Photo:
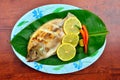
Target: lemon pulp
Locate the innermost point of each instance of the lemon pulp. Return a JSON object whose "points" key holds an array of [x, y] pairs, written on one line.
{"points": [[66, 52], [71, 25], [71, 38]]}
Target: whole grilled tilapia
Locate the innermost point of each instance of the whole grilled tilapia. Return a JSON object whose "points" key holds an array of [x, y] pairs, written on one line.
{"points": [[44, 41]]}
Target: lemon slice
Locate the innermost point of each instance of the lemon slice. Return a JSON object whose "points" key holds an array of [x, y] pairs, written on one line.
{"points": [[71, 38], [71, 25], [66, 52]]}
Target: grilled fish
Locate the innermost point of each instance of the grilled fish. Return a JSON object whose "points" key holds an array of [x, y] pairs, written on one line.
{"points": [[45, 40]]}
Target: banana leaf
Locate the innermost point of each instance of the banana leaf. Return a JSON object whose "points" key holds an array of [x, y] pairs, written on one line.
{"points": [[95, 26]]}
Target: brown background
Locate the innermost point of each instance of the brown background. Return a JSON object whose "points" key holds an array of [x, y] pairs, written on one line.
{"points": [[107, 67]]}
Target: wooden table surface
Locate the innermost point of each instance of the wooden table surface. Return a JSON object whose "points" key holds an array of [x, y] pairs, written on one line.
{"points": [[107, 67]]}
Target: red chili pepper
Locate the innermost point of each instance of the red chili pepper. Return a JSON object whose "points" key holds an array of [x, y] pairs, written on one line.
{"points": [[84, 34]]}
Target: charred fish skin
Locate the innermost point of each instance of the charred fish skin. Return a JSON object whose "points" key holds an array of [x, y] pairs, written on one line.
{"points": [[45, 40]]}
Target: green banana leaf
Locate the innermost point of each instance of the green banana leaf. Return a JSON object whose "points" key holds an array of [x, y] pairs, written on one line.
{"points": [[96, 29]]}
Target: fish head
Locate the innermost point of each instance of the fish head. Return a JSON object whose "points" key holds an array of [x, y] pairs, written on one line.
{"points": [[36, 53]]}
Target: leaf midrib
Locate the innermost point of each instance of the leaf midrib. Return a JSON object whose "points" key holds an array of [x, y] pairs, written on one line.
{"points": [[99, 34]]}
